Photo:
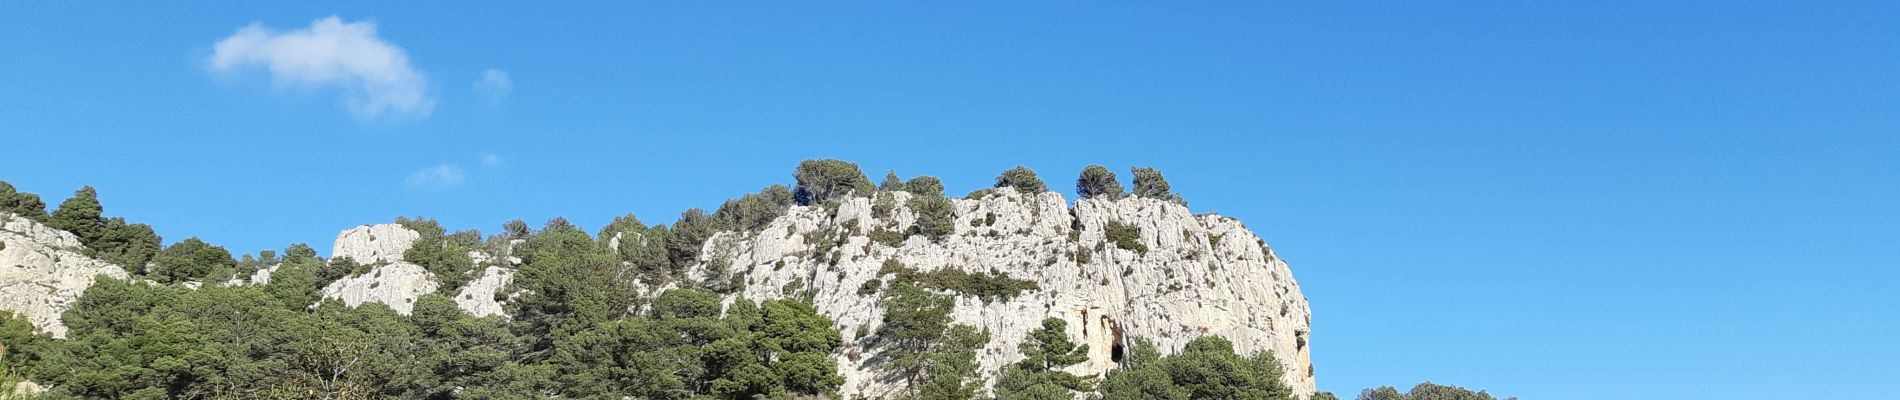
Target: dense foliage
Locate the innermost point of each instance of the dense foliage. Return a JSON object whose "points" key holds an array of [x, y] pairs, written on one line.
{"points": [[1422, 391], [193, 259], [133, 340], [24, 204], [991, 286], [1206, 368]]}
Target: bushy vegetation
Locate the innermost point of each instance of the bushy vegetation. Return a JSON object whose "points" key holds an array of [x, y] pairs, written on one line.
{"points": [[1124, 236], [111, 239], [924, 186], [193, 259], [1206, 368], [136, 341], [442, 254], [992, 286], [24, 204], [753, 212], [1422, 391]]}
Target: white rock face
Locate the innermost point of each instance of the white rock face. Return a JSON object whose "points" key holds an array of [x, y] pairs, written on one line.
{"points": [[1201, 275], [370, 244], [478, 296], [397, 283], [42, 272]]}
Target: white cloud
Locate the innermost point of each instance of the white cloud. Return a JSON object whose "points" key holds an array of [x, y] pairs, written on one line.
{"points": [[494, 86], [375, 76], [492, 160], [436, 177]]}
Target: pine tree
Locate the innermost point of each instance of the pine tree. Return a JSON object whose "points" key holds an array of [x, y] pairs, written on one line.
{"points": [[25, 204], [1097, 181], [81, 215], [1038, 376]]}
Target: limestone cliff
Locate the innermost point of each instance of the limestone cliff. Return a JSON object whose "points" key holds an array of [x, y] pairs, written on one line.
{"points": [[399, 283], [1200, 275], [43, 271]]}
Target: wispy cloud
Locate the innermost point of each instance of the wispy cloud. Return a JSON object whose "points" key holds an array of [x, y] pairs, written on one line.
{"points": [[492, 160], [494, 86], [437, 177], [375, 75]]}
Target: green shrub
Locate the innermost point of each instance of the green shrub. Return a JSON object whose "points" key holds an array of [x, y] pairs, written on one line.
{"points": [[870, 287], [887, 237], [753, 212], [1126, 237], [988, 287], [891, 266], [882, 205]]}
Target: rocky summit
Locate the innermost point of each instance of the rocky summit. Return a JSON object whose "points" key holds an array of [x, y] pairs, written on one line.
{"points": [[1198, 275], [1115, 268]]}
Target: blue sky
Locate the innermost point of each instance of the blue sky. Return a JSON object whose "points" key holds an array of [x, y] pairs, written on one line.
{"points": [[1554, 200]]}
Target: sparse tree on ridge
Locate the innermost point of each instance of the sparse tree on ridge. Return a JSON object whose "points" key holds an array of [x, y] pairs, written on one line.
{"points": [[1023, 179], [81, 214], [25, 204], [1149, 183], [824, 180], [891, 182], [1097, 181]]}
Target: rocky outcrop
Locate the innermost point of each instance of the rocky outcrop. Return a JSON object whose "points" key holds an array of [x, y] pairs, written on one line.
{"points": [[43, 271], [399, 283], [479, 298], [371, 244], [1199, 275], [391, 281]]}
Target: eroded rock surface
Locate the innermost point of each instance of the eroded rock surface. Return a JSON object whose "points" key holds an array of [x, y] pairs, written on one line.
{"points": [[43, 272], [399, 283], [1200, 275]]}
